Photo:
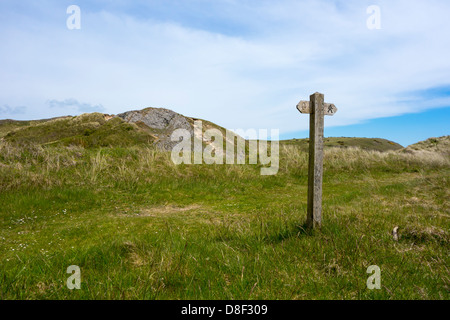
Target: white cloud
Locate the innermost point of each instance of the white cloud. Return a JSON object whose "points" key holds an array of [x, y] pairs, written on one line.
{"points": [[251, 80]]}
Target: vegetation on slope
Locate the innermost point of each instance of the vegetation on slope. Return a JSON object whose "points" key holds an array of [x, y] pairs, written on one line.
{"points": [[7, 125], [431, 145], [376, 144], [87, 130], [92, 130]]}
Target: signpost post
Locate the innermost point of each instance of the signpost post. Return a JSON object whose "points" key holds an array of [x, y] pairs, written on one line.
{"points": [[317, 108]]}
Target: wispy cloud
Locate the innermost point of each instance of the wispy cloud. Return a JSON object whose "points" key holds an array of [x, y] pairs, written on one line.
{"points": [[7, 110], [73, 103]]}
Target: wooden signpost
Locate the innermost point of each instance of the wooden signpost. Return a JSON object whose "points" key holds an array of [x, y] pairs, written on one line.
{"points": [[317, 108]]}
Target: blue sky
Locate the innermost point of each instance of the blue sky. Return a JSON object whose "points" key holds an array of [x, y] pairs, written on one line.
{"points": [[407, 129], [242, 64]]}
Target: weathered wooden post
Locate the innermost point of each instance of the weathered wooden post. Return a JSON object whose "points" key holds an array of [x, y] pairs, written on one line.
{"points": [[316, 109]]}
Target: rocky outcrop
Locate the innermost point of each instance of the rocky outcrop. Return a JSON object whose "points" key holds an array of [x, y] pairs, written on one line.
{"points": [[159, 122]]}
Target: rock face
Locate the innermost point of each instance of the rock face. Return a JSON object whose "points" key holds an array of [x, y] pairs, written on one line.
{"points": [[156, 118], [161, 122]]}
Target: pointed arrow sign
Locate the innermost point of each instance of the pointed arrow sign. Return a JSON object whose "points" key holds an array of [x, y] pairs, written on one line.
{"points": [[329, 109]]}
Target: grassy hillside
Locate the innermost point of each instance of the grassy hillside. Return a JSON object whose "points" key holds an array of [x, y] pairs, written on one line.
{"points": [[432, 145], [376, 144], [140, 227], [7, 125], [87, 130]]}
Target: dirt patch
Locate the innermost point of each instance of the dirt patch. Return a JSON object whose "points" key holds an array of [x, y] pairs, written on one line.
{"points": [[162, 210]]}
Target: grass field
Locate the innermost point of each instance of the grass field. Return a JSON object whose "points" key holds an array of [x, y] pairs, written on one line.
{"points": [[140, 227]]}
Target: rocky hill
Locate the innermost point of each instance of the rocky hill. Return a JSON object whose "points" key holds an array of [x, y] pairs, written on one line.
{"points": [[152, 126], [159, 123]]}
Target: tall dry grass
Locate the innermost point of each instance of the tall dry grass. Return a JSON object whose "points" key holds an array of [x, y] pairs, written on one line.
{"points": [[37, 166], [358, 159]]}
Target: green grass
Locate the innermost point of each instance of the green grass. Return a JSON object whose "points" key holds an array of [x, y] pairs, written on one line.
{"points": [[140, 227]]}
